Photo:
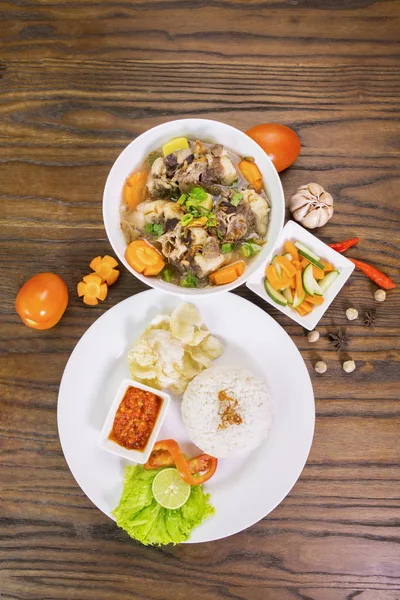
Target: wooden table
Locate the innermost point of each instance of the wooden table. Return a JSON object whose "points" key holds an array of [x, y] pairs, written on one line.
{"points": [[78, 82]]}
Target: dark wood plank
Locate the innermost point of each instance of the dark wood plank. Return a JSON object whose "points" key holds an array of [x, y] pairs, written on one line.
{"points": [[78, 81]]}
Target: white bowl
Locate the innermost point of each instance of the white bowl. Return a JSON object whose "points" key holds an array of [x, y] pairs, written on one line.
{"points": [[136, 456], [210, 131], [294, 232]]}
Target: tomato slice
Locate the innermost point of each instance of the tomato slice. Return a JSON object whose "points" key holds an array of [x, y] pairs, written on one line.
{"points": [[196, 471], [205, 464]]}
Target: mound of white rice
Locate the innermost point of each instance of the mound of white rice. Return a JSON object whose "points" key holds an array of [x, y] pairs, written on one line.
{"points": [[203, 410]]}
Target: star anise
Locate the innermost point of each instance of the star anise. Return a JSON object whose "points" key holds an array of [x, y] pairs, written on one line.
{"points": [[339, 340], [369, 318]]}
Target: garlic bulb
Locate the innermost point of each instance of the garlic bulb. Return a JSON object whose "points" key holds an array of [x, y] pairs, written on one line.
{"points": [[311, 205]]}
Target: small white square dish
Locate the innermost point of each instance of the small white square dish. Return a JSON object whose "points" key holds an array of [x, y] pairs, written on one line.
{"points": [[295, 233], [111, 445]]}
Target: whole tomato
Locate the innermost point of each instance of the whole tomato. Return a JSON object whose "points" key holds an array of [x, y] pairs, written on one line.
{"points": [[281, 143], [42, 300]]}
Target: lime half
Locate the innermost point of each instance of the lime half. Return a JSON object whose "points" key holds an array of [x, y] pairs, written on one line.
{"points": [[169, 489]]}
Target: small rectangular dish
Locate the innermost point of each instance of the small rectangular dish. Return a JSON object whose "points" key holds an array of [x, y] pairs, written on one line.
{"points": [[295, 233], [159, 408]]}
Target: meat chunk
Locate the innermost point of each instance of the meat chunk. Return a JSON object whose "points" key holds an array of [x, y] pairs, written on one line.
{"points": [[172, 210], [228, 171], [172, 245], [204, 266], [260, 208], [237, 227], [170, 224], [147, 212], [129, 232], [244, 209], [188, 177], [211, 248], [217, 149], [184, 155], [171, 164], [199, 236], [158, 183]]}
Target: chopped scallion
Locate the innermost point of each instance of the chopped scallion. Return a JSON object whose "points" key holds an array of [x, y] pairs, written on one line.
{"points": [[190, 280], [186, 219], [236, 198]]}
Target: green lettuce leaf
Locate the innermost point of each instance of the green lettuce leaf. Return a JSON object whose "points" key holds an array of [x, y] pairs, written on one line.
{"points": [[146, 521]]}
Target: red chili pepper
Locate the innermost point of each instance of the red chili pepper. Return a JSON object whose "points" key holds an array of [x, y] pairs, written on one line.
{"points": [[342, 246], [168, 453], [377, 276]]}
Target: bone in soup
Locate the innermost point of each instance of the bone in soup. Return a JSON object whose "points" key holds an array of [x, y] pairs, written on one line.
{"points": [[195, 214]]}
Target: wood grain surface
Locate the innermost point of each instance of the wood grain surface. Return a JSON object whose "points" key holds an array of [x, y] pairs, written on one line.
{"points": [[78, 81]]}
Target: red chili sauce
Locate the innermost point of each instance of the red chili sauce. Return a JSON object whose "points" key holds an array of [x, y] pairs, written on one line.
{"points": [[135, 419]]}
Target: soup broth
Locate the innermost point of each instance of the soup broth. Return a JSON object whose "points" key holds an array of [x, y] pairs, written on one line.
{"points": [[194, 214]]}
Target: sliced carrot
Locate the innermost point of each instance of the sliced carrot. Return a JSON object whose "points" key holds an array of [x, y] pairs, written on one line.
{"points": [[316, 300], [81, 288], [92, 289], [273, 278], [104, 267], [306, 307], [286, 265], [327, 266], [296, 263], [144, 258], [93, 278], [228, 274], [299, 284], [291, 248], [300, 310], [134, 191], [293, 282], [304, 262], [284, 280], [251, 173], [318, 273]]}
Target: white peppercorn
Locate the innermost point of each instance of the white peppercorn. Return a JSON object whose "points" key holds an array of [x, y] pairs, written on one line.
{"points": [[380, 295], [349, 366], [313, 336], [351, 314], [321, 367]]}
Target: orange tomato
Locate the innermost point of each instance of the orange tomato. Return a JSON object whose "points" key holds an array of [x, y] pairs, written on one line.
{"points": [[281, 143], [42, 300]]}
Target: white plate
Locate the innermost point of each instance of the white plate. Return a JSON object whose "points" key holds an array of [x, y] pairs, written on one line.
{"points": [[243, 490], [294, 232]]}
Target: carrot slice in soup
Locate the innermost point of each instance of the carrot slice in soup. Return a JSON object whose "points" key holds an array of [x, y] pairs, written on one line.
{"points": [[252, 174], [134, 191], [144, 258], [228, 274]]}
